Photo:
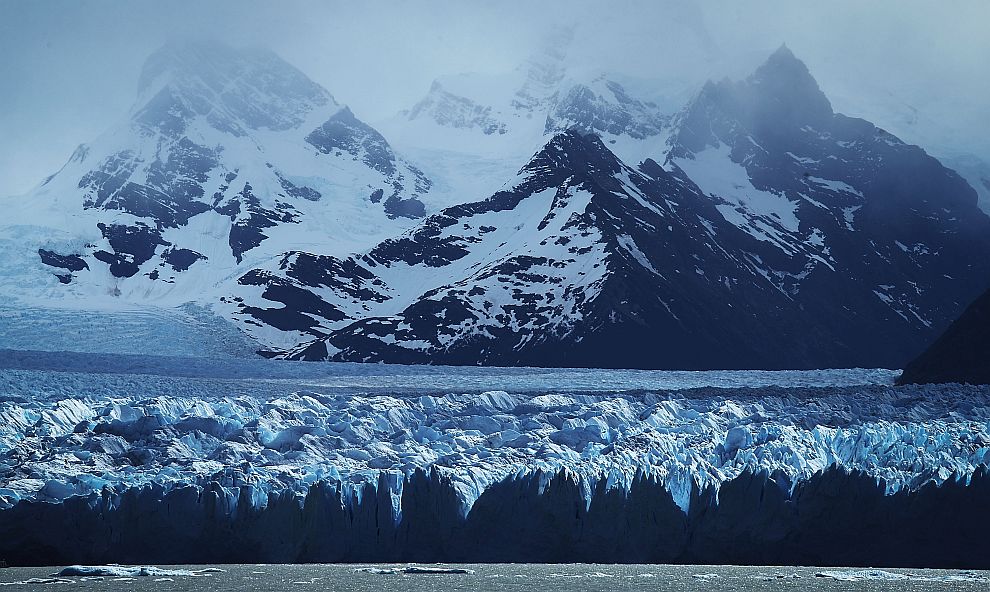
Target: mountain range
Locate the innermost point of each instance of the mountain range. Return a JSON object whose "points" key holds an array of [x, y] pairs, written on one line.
{"points": [[556, 221]]}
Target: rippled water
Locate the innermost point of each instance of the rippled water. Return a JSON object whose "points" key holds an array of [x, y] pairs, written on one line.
{"points": [[545, 578]]}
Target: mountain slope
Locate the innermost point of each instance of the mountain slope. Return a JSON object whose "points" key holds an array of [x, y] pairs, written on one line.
{"points": [[581, 262], [839, 206], [961, 354], [777, 234], [473, 131], [229, 157]]}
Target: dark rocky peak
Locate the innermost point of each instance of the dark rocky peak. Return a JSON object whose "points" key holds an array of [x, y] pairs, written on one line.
{"points": [[774, 104], [783, 89], [572, 158], [574, 151], [236, 89], [345, 132]]}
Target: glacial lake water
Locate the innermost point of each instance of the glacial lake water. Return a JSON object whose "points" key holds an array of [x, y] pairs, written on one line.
{"points": [[514, 577]]}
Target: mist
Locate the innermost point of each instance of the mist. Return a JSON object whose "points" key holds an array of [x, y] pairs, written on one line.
{"points": [[69, 69]]}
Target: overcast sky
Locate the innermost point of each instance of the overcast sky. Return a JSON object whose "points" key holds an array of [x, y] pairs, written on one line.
{"points": [[69, 68]]}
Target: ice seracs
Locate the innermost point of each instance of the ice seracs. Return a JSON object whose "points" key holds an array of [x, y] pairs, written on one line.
{"points": [[55, 448], [302, 469]]}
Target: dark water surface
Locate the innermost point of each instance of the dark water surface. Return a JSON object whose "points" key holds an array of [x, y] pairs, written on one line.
{"points": [[521, 577]]}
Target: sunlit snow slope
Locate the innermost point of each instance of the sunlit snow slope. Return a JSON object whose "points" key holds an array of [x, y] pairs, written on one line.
{"points": [[228, 158]]}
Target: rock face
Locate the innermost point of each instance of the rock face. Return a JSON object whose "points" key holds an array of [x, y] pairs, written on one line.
{"points": [[227, 155], [605, 107], [961, 354]]}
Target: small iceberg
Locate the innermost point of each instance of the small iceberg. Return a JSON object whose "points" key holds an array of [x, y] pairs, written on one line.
{"points": [[860, 575], [415, 570], [132, 571]]}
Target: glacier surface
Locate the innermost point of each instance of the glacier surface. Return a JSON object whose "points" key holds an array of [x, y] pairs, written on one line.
{"points": [[125, 421], [156, 459]]}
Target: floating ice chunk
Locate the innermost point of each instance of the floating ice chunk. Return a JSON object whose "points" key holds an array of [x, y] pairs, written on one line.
{"points": [[129, 571], [37, 581], [415, 570], [852, 575]]}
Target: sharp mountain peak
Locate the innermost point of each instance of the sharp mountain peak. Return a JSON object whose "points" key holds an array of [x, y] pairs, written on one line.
{"points": [[236, 88]]}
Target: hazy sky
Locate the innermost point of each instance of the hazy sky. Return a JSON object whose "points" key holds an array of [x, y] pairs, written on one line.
{"points": [[69, 68]]}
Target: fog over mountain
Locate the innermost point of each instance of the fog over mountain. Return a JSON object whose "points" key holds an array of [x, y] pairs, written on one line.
{"points": [[70, 69]]}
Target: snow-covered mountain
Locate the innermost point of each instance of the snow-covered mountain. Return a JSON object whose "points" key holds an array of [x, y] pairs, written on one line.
{"points": [[473, 131], [863, 229], [581, 261], [777, 234], [228, 158], [755, 228]]}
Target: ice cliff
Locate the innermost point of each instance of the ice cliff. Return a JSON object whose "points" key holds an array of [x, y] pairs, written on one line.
{"points": [[110, 466]]}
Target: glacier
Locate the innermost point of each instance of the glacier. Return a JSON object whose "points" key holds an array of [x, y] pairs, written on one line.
{"points": [[148, 459]]}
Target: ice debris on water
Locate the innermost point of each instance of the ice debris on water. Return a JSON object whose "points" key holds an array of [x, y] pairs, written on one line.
{"points": [[37, 581], [132, 571], [862, 575], [415, 570]]}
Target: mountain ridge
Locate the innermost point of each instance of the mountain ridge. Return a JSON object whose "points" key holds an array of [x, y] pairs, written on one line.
{"points": [[757, 228], [820, 233], [227, 155]]}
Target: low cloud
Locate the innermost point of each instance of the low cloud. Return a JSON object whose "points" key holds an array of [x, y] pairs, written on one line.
{"points": [[70, 68]]}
